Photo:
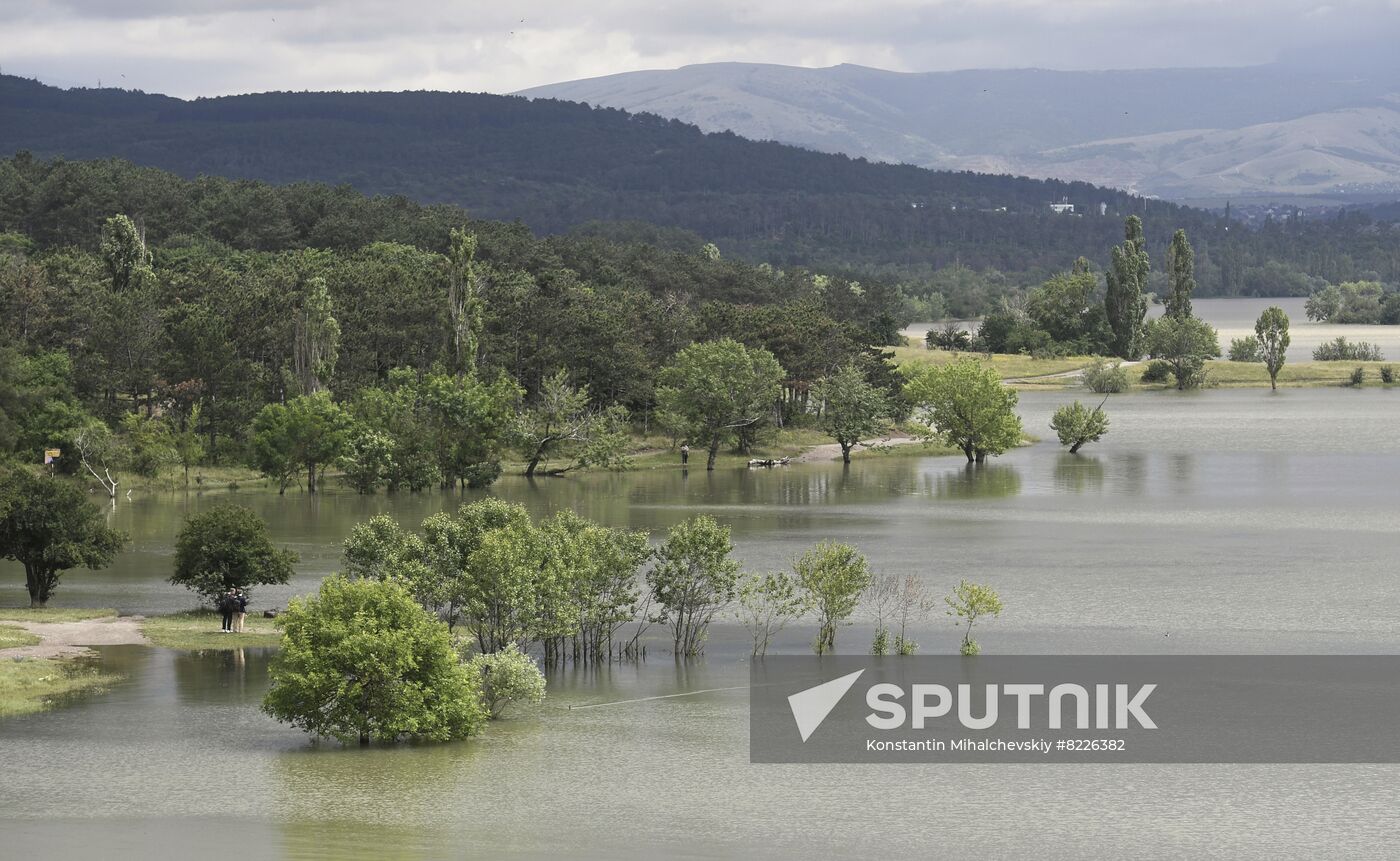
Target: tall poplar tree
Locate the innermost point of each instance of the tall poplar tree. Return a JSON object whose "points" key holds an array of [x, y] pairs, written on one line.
{"points": [[1181, 270], [317, 338], [463, 301], [1125, 302]]}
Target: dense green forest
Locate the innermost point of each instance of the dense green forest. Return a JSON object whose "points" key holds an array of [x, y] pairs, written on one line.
{"points": [[558, 165], [207, 320]]}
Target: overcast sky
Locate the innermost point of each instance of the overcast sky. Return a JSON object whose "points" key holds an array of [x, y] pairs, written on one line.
{"points": [[215, 47]]}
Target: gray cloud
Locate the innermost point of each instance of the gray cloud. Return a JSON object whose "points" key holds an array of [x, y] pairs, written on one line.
{"points": [[212, 47]]}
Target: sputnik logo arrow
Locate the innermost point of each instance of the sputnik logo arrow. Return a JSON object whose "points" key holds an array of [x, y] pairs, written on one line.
{"points": [[810, 707]]}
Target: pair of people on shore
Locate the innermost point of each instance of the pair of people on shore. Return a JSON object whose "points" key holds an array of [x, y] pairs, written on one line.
{"points": [[233, 607]]}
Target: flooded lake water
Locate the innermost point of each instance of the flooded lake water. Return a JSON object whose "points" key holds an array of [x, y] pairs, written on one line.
{"points": [[1234, 318], [1205, 522]]}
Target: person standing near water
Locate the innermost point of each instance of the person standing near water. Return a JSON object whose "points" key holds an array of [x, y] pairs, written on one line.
{"points": [[685, 453], [226, 611], [240, 610]]}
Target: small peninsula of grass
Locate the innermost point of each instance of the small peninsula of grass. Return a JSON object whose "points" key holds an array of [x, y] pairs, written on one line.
{"points": [[12, 637], [31, 685], [199, 629]]}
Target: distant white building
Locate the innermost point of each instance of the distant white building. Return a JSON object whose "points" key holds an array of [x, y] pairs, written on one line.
{"points": [[1061, 207]]}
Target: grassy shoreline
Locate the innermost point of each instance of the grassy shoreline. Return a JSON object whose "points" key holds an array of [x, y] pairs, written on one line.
{"points": [[196, 630]]}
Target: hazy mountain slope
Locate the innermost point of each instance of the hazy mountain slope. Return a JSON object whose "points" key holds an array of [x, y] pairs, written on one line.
{"points": [[1014, 120], [1353, 149]]}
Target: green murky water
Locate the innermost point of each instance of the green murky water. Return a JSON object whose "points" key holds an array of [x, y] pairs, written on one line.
{"points": [[1220, 521]]}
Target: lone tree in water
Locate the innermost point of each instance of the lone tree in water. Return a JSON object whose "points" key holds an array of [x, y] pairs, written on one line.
{"points": [[228, 548], [1076, 424], [48, 526], [833, 576], [1124, 302], [1181, 268], [693, 579], [362, 662], [851, 408], [966, 405], [714, 389], [1272, 331], [968, 603]]}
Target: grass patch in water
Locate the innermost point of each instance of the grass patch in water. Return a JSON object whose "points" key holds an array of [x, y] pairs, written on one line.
{"points": [[31, 685], [199, 629]]}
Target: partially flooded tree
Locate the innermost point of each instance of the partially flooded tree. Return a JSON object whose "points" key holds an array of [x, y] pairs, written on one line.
{"points": [[596, 568], [507, 678], [48, 526], [968, 603], [1076, 424], [99, 452], [880, 596], [967, 406], [833, 576], [767, 603], [361, 661], [912, 603], [693, 579]]}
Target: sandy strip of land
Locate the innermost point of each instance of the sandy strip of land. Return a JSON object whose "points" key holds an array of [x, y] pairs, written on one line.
{"points": [[61, 639], [832, 451]]}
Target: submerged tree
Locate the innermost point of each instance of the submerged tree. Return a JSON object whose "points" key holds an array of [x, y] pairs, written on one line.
{"points": [[693, 579], [1076, 424], [767, 603], [968, 603], [1271, 329], [833, 576], [48, 526], [1125, 303], [507, 678], [361, 661], [967, 406]]}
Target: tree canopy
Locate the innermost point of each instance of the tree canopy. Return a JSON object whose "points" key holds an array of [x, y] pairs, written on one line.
{"points": [[49, 526], [966, 405]]}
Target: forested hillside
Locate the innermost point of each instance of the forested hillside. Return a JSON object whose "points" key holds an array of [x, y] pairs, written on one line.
{"points": [[135, 301], [557, 165]]}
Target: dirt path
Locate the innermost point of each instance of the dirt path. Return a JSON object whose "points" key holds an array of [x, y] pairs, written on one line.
{"points": [[61, 639], [832, 451]]}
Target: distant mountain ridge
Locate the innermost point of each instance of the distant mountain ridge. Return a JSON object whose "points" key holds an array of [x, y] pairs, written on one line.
{"points": [[560, 166], [1032, 121]]}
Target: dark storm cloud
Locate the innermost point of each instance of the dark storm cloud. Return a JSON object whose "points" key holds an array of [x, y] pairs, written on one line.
{"points": [[202, 47]]}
